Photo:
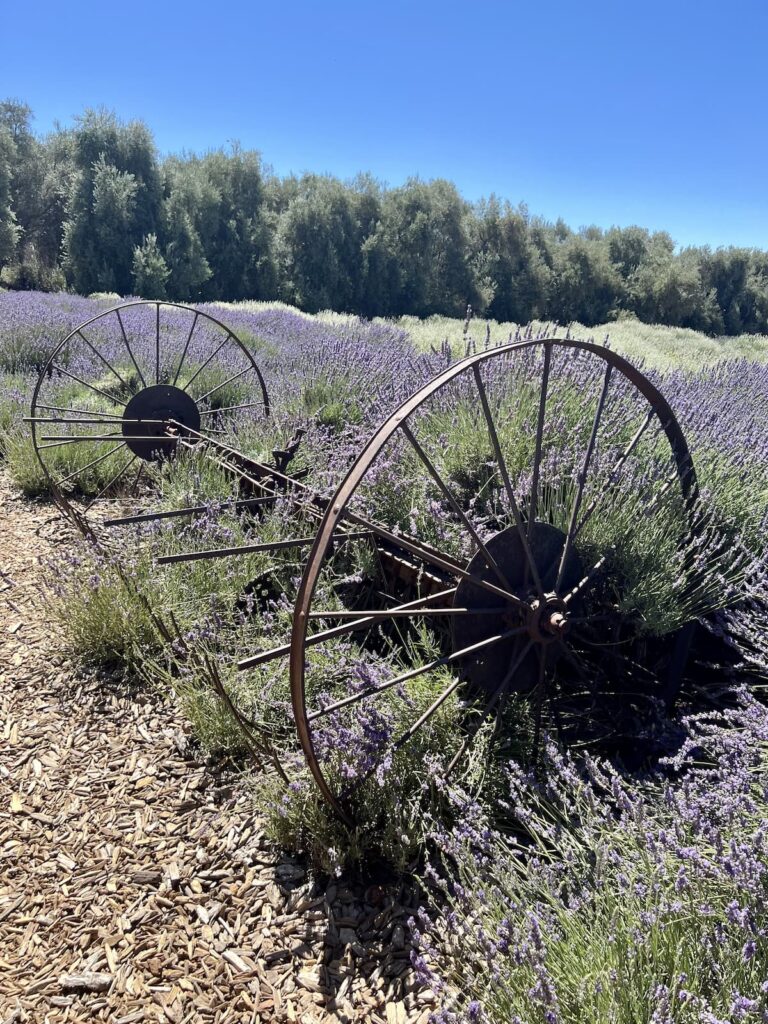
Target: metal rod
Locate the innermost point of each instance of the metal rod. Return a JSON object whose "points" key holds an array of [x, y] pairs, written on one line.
{"points": [[277, 545], [448, 659], [108, 437], [191, 510], [95, 462], [101, 357], [70, 440], [505, 477], [329, 634], [582, 477], [186, 346], [106, 416], [223, 384], [130, 352], [100, 422], [586, 580], [230, 408], [388, 614], [91, 387], [432, 470]]}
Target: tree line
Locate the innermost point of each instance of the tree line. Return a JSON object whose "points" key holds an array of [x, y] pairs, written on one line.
{"points": [[93, 207]]}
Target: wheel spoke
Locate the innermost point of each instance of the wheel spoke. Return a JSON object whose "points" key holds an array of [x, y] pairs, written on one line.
{"points": [[582, 477], [448, 659], [224, 384], [329, 634], [491, 704], [489, 559], [505, 477], [105, 361], [91, 387], [157, 343], [95, 462], [404, 613], [130, 351], [186, 346], [107, 417], [191, 510], [210, 358], [533, 508], [111, 483]]}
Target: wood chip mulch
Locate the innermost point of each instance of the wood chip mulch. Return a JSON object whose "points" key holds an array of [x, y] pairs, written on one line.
{"points": [[136, 883]]}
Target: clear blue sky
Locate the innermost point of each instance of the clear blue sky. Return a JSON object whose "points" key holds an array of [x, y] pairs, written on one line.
{"points": [[630, 111]]}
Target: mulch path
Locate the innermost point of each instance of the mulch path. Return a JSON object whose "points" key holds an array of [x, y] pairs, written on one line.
{"points": [[136, 883]]}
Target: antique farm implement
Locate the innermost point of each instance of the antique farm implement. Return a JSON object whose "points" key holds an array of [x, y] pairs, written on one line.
{"points": [[537, 475]]}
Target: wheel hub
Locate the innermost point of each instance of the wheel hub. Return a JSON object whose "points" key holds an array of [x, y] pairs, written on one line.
{"points": [[542, 620], [157, 404]]}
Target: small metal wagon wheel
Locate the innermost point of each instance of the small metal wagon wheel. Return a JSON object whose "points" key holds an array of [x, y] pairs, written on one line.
{"points": [[573, 461], [129, 388]]}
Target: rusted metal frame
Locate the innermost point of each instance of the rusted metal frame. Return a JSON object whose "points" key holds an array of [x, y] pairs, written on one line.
{"points": [[357, 471], [420, 670], [533, 507], [582, 477], [95, 462], [245, 549], [207, 362], [191, 510], [490, 705], [398, 540], [506, 479], [130, 351], [328, 634], [91, 387], [105, 361], [224, 384], [458, 510], [186, 347]]}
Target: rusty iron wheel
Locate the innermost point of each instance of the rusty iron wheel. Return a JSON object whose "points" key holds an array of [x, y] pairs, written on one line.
{"points": [[127, 389], [513, 607]]}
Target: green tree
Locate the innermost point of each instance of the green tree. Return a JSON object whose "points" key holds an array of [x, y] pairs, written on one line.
{"points": [[149, 269], [8, 227]]}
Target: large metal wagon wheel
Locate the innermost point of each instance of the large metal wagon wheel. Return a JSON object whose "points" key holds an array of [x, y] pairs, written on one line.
{"points": [[130, 388], [530, 577]]}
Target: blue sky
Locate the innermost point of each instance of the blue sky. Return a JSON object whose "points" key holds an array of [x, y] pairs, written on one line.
{"points": [[615, 112]]}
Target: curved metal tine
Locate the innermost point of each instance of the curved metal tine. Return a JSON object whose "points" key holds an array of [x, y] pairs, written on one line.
{"points": [[91, 387], [75, 440], [95, 462], [113, 481], [186, 347], [224, 384], [489, 559], [130, 350], [231, 408], [533, 508], [404, 677], [108, 416], [582, 478], [490, 705], [157, 344], [618, 466], [505, 477], [210, 358], [329, 634], [244, 549], [587, 579]]}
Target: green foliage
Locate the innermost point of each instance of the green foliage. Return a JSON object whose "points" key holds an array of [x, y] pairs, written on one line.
{"points": [[150, 271]]}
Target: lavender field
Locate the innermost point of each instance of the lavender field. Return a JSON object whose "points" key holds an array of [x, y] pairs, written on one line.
{"points": [[618, 879]]}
